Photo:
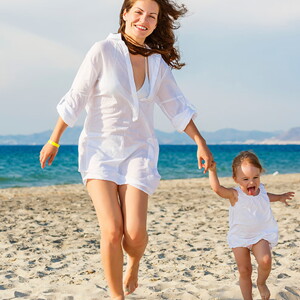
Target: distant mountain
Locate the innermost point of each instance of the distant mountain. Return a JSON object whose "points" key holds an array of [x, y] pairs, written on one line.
{"points": [[234, 136], [70, 137], [223, 136], [291, 135], [173, 138]]}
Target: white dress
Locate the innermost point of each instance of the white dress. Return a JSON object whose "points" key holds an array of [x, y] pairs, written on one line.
{"points": [[251, 220], [118, 142]]}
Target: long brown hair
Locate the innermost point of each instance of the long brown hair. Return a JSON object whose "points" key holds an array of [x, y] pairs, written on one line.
{"points": [[162, 39], [249, 157]]}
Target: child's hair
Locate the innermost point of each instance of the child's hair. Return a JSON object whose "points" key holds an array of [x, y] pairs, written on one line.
{"points": [[249, 157]]}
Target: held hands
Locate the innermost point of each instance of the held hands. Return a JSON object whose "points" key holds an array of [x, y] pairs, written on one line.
{"points": [[286, 196], [48, 152], [213, 166], [204, 154]]}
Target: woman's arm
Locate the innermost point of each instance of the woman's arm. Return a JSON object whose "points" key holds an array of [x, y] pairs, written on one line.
{"points": [[75, 100], [49, 151], [281, 197], [203, 153]]}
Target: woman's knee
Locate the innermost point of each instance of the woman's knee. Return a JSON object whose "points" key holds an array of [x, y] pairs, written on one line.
{"points": [[135, 237], [112, 234], [245, 271], [265, 262]]}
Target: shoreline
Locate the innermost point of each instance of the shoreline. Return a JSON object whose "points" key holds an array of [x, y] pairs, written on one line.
{"points": [[162, 180], [229, 143], [50, 244]]}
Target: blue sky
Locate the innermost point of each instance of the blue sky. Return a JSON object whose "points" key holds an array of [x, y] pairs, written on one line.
{"points": [[243, 60]]}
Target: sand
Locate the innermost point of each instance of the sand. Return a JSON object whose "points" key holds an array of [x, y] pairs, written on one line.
{"points": [[50, 244]]}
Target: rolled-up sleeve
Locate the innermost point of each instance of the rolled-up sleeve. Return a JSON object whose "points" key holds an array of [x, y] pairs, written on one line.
{"points": [[71, 105], [173, 103]]}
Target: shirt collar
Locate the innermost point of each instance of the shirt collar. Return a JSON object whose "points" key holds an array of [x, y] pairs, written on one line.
{"points": [[114, 36]]}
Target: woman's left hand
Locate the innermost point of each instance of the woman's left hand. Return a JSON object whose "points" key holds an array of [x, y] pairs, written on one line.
{"points": [[204, 156], [203, 153]]}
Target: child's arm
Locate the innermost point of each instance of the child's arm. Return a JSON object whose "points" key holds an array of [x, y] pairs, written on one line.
{"points": [[281, 197], [222, 191]]}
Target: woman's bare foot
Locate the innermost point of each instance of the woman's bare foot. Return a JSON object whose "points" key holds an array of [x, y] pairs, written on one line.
{"points": [[264, 291], [118, 298], [131, 278]]}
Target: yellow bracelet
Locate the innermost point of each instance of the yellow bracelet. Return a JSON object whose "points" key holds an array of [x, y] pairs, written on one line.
{"points": [[53, 144]]}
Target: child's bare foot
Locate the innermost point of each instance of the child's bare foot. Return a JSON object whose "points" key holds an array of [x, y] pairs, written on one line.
{"points": [[131, 278], [264, 291]]}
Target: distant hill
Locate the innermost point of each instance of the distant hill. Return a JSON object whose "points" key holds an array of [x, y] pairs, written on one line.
{"points": [[234, 136], [291, 135], [223, 136], [70, 137]]}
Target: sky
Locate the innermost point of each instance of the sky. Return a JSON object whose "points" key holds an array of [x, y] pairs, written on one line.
{"points": [[242, 60]]}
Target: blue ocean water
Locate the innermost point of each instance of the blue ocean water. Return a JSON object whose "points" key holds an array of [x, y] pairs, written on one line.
{"points": [[19, 165]]}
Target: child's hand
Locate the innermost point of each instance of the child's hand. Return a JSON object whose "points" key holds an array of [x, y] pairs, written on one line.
{"points": [[213, 166], [286, 196]]}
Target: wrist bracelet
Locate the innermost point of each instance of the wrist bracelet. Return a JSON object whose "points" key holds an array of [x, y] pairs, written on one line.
{"points": [[53, 144]]}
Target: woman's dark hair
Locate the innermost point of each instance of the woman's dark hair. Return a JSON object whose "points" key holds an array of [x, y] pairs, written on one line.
{"points": [[162, 39]]}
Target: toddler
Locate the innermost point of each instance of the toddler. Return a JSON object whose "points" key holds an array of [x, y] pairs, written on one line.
{"points": [[252, 226]]}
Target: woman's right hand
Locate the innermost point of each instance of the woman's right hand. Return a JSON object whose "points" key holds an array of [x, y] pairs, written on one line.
{"points": [[48, 152]]}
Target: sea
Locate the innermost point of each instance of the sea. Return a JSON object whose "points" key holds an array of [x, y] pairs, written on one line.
{"points": [[19, 165]]}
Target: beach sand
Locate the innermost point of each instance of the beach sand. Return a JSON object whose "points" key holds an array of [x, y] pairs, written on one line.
{"points": [[50, 244]]}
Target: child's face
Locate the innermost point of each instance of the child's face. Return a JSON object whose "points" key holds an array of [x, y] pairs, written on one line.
{"points": [[248, 178]]}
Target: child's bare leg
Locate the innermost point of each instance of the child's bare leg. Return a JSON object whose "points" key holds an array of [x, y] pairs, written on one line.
{"points": [[262, 253], [243, 260], [134, 205]]}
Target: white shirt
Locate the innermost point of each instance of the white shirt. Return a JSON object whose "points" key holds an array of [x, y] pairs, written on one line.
{"points": [[251, 220], [118, 142]]}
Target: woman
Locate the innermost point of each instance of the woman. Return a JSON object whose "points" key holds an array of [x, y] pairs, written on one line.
{"points": [[118, 83]]}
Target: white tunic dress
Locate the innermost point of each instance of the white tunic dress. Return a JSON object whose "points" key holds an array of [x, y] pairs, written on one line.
{"points": [[251, 220], [118, 142]]}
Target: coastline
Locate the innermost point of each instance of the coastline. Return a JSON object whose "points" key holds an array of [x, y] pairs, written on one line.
{"points": [[50, 244]]}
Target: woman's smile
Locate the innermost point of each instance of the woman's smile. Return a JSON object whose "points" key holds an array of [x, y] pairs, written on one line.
{"points": [[141, 20]]}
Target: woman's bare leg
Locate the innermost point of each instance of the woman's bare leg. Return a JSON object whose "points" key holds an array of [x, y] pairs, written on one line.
{"points": [[134, 205], [262, 253], [243, 260], [104, 195]]}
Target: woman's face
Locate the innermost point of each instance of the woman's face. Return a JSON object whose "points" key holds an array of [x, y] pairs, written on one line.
{"points": [[141, 20]]}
